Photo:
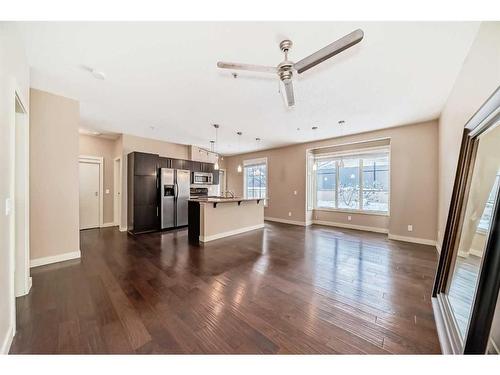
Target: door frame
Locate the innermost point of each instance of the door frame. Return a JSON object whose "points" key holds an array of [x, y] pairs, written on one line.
{"points": [[117, 188], [17, 97], [100, 161]]}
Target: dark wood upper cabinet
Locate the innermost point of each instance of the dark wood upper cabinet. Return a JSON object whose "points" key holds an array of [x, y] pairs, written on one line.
{"points": [[143, 187], [145, 164]]}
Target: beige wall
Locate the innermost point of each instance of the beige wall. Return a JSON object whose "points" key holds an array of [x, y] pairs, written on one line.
{"points": [[229, 217], [129, 143], [14, 75], [478, 79], [105, 148], [414, 186], [53, 174]]}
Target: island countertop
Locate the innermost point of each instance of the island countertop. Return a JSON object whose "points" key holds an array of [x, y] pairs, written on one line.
{"points": [[211, 218], [223, 200]]}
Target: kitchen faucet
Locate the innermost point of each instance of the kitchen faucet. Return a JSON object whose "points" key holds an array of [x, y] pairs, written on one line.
{"points": [[228, 192]]}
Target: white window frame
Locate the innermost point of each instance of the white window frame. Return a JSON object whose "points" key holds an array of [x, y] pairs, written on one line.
{"points": [[252, 162], [353, 154]]}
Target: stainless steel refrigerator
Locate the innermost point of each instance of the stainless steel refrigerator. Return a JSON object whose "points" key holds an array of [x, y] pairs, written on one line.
{"points": [[175, 185]]}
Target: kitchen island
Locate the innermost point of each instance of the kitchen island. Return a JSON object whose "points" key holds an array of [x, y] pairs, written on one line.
{"points": [[213, 218]]}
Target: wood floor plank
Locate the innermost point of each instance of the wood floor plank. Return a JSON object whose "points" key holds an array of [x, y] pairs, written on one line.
{"points": [[282, 289]]}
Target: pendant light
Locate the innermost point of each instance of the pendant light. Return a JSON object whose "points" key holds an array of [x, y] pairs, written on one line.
{"points": [[216, 165], [240, 168]]}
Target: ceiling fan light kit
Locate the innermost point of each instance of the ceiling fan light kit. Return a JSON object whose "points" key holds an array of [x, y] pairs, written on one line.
{"points": [[286, 69]]}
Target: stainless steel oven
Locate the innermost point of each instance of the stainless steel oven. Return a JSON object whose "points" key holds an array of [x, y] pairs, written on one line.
{"points": [[202, 178]]}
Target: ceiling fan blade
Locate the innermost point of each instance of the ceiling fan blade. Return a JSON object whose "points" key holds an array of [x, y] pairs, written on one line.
{"points": [[330, 50], [249, 67], [289, 97]]}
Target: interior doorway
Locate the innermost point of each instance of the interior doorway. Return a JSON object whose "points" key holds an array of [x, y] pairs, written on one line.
{"points": [[91, 187], [117, 184], [20, 200]]}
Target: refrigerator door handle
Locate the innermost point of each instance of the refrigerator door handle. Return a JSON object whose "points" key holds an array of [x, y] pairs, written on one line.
{"points": [[176, 190]]}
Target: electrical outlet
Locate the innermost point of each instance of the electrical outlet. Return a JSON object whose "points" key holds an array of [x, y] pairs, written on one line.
{"points": [[107, 191], [289, 214], [410, 228], [349, 218], [295, 192]]}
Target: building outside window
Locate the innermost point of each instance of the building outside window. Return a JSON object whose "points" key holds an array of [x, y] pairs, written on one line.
{"points": [[357, 181]]}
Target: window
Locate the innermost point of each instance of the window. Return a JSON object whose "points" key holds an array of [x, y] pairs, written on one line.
{"points": [[326, 180], [484, 222], [356, 181], [255, 178]]}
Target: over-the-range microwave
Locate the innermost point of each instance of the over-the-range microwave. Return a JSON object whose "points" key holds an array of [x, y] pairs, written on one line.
{"points": [[201, 178]]}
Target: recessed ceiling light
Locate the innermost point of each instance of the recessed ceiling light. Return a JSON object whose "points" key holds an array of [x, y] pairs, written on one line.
{"points": [[314, 128], [98, 75]]}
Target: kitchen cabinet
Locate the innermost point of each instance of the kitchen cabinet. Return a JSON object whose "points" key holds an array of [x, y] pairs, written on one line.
{"points": [[143, 187], [142, 191]]}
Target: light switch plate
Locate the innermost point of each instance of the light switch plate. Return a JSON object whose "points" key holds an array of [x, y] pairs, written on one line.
{"points": [[7, 206], [349, 217], [289, 214], [295, 192], [410, 228], [107, 191]]}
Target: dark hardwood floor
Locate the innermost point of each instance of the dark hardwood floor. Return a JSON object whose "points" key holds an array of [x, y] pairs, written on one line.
{"points": [[282, 289]]}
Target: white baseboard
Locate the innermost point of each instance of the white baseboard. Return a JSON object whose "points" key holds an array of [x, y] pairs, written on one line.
{"points": [[285, 221], [7, 340], [230, 233], [106, 225], [422, 241], [350, 226], [438, 247], [123, 229], [55, 258], [309, 222]]}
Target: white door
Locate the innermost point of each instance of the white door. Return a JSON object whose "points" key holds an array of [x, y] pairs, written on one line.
{"points": [[89, 195]]}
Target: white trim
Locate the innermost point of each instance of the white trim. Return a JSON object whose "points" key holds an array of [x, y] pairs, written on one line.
{"points": [[309, 222], [7, 340], [117, 220], [285, 221], [96, 160], [444, 342], [122, 229], [354, 211], [111, 224], [450, 339], [350, 226], [257, 161], [475, 252], [438, 247], [230, 233], [55, 258], [422, 241]]}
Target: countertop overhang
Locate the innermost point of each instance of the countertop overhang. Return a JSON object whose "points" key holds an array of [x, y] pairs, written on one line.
{"points": [[216, 201]]}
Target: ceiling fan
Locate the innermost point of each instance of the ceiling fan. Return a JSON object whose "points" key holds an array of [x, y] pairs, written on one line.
{"points": [[286, 69]]}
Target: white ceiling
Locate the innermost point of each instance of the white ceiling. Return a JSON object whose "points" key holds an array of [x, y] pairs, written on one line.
{"points": [[162, 81]]}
